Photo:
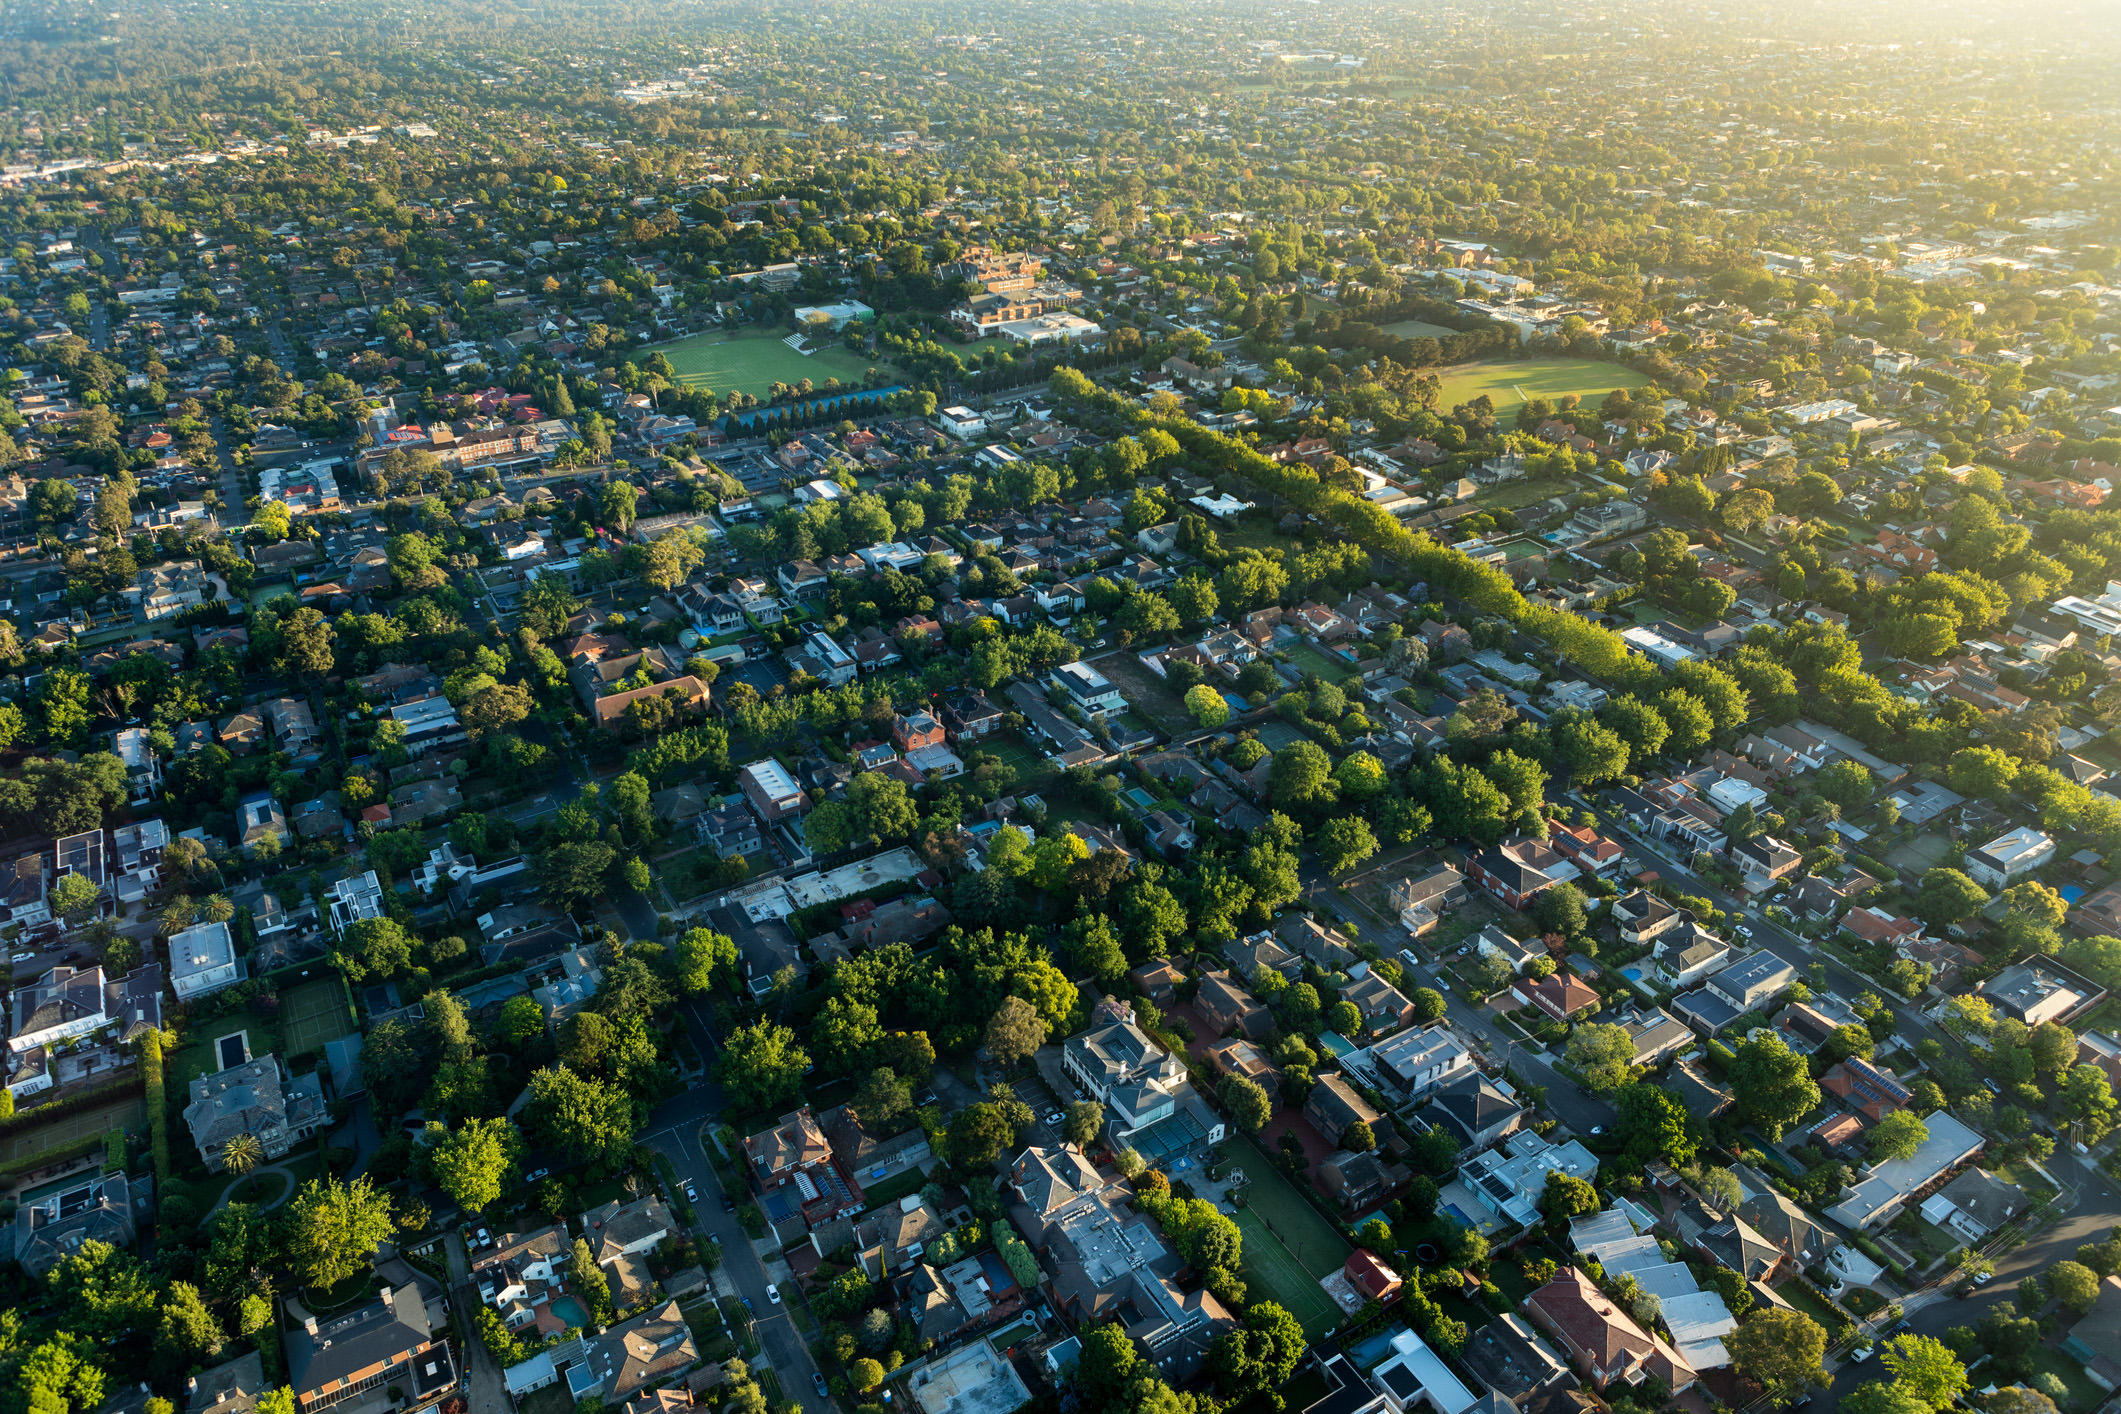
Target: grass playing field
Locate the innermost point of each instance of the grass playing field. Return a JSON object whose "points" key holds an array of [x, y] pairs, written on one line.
{"points": [[1417, 329], [313, 1014], [1510, 383], [753, 360]]}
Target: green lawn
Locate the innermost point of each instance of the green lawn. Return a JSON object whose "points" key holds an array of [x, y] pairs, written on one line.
{"points": [[1418, 329], [2083, 1394], [1306, 659], [1514, 381], [753, 360]]}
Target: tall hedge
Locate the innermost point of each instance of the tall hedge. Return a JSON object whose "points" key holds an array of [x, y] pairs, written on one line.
{"points": [[157, 1104]]}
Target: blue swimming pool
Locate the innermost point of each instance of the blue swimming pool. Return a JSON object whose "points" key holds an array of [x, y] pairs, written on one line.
{"points": [[1633, 974], [2071, 893], [573, 1312]]}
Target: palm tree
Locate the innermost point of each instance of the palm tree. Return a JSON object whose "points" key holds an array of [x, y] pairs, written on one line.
{"points": [[242, 1154]]}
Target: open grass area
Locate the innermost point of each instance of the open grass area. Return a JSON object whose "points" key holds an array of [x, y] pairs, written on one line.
{"points": [[1306, 659], [2083, 1394], [753, 360], [1148, 694], [70, 1128], [1510, 382], [1418, 329], [314, 1014]]}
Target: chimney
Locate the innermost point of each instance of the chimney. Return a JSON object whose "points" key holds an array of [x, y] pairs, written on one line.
{"points": [[309, 1323]]}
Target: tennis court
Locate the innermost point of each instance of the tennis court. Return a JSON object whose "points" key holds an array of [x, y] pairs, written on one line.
{"points": [[1272, 1273], [314, 1014], [70, 1128], [1288, 1246]]}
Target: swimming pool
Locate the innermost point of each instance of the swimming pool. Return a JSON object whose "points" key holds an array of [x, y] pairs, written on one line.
{"points": [[1140, 798], [1633, 974], [2071, 893], [573, 1312]]}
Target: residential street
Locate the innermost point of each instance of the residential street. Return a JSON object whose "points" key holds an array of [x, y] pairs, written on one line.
{"points": [[673, 1130], [1581, 1112]]}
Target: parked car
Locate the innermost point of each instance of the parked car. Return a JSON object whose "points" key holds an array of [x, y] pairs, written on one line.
{"points": [[728, 1203], [535, 1174], [819, 1380], [481, 1239], [692, 1195], [773, 1293]]}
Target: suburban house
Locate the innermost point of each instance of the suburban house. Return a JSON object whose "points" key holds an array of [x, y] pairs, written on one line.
{"points": [[1509, 1180], [1657, 1035], [522, 1273], [1886, 1188], [253, 1098], [1515, 953], [1563, 996], [1753, 981], [773, 793], [798, 1174], [1414, 1063], [1688, 953], [1603, 1341], [1333, 1106], [1089, 690], [2009, 857], [1139, 1083], [1475, 1110], [94, 1207], [1643, 917], [202, 960], [1504, 872], [1383, 1007], [635, 1354], [1870, 1090], [68, 1002], [389, 1339], [1229, 1010]]}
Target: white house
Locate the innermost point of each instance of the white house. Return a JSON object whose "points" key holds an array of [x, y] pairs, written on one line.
{"points": [[202, 959], [352, 899], [1089, 689], [2007, 858], [961, 422], [1138, 1082]]}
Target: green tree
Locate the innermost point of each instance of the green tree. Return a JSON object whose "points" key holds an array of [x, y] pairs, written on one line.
{"points": [[1015, 1032], [188, 1333], [1566, 1197], [1925, 1367], [1653, 1125], [1946, 896], [1604, 1053], [332, 1229], [1301, 777], [1247, 1102], [762, 1065], [590, 1119], [1897, 1136], [473, 1161], [2073, 1284], [1260, 1355], [1344, 842], [75, 897], [704, 957], [373, 947], [1781, 1351], [1207, 705], [1773, 1084]]}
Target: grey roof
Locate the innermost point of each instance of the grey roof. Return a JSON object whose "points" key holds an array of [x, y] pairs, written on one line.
{"points": [[384, 1331]]}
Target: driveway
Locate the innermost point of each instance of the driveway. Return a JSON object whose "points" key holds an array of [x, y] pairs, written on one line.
{"points": [[484, 1388]]}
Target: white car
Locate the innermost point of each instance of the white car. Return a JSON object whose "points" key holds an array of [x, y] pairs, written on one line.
{"points": [[1742, 931], [773, 1293]]}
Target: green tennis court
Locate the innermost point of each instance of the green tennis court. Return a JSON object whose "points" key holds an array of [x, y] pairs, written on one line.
{"points": [[314, 1014], [1273, 1273]]}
